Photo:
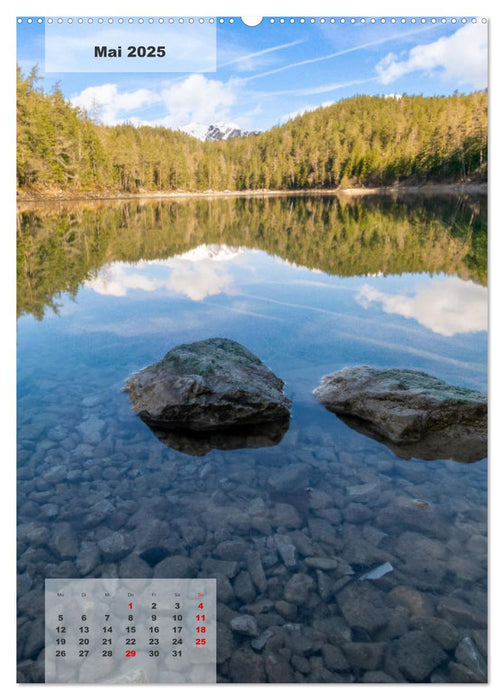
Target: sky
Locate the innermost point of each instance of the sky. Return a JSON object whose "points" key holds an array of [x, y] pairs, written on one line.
{"points": [[272, 72]]}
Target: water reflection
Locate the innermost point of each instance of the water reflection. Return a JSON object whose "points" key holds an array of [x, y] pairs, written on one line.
{"points": [[446, 306], [60, 247], [245, 437], [197, 274], [461, 446]]}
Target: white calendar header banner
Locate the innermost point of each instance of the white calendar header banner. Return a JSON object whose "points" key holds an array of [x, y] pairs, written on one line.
{"points": [[130, 45]]}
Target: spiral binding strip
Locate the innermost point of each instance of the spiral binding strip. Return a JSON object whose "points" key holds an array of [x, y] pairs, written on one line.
{"points": [[270, 20]]}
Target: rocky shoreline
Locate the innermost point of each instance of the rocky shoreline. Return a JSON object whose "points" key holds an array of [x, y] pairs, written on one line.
{"points": [[429, 188]]}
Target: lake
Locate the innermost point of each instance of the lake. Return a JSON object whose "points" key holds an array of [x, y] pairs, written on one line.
{"points": [[310, 284]]}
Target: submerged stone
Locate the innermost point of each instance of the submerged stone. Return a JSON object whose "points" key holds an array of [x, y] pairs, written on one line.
{"points": [[413, 413], [211, 393], [417, 655], [468, 655], [441, 630], [245, 666], [298, 588], [245, 624]]}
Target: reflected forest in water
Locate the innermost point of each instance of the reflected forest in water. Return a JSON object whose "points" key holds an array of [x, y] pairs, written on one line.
{"points": [[60, 246]]}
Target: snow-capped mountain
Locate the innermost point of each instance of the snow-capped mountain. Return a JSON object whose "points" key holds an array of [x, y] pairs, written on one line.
{"points": [[215, 252], [219, 131]]}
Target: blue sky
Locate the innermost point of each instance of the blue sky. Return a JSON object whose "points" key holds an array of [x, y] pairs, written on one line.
{"points": [[268, 73]]}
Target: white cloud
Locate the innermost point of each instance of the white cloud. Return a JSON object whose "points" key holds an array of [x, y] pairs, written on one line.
{"points": [[341, 52], [447, 306], [197, 274], [317, 89], [194, 99], [249, 61], [198, 99], [198, 281], [462, 57], [116, 280], [110, 105]]}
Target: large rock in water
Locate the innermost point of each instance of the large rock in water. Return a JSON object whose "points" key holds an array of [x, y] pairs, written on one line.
{"points": [[214, 390], [415, 414]]}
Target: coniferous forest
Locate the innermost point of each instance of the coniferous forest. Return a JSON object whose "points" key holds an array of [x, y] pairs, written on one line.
{"points": [[361, 141]]}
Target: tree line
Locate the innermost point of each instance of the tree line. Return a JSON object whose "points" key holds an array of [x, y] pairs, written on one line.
{"points": [[360, 141]]}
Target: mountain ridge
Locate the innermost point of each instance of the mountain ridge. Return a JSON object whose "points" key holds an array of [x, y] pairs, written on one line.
{"points": [[216, 131]]}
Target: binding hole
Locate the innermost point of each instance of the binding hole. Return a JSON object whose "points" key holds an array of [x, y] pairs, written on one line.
{"points": [[251, 21]]}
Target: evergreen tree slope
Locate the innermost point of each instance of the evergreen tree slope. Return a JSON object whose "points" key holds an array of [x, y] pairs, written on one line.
{"points": [[360, 141]]}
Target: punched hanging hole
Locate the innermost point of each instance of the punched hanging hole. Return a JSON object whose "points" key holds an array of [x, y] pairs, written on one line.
{"points": [[251, 21]]}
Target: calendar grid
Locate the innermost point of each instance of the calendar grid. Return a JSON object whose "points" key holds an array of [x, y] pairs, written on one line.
{"points": [[130, 631]]}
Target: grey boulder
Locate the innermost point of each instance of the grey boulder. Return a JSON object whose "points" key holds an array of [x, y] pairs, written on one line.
{"points": [[210, 385], [415, 414]]}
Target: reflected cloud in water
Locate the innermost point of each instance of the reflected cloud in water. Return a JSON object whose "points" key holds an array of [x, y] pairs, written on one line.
{"points": [[197, 274], [447, 306]]}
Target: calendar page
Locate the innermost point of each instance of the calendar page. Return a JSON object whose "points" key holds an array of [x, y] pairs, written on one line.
{"points": [[252, 349]]}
